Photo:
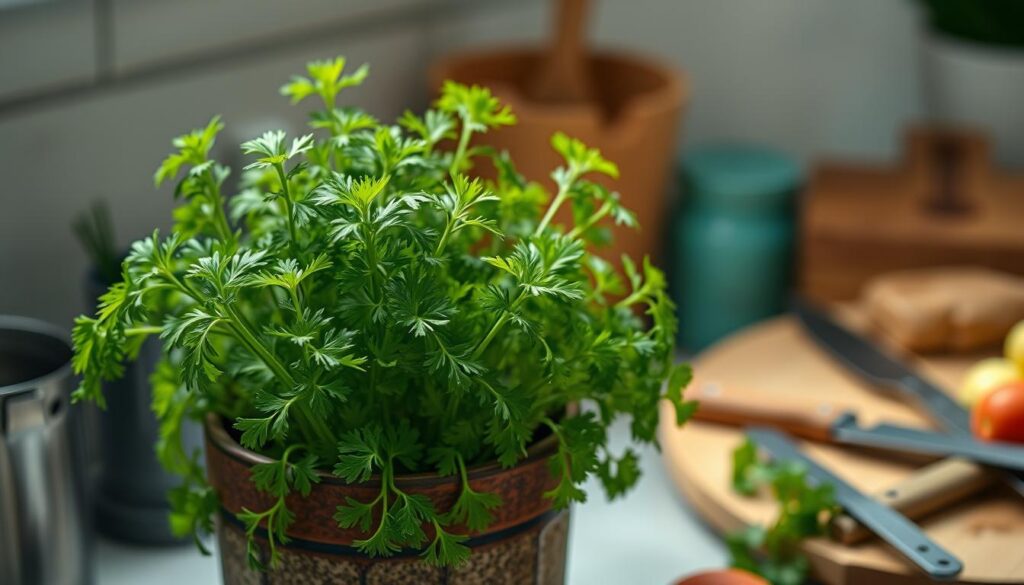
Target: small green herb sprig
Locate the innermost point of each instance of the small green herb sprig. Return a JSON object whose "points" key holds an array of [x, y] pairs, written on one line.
{"points": [[363, 307], [805, 511], [95, 231]]}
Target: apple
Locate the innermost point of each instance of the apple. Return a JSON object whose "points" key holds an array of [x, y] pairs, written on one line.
{"points": [[1014, 347], [984, 376]]}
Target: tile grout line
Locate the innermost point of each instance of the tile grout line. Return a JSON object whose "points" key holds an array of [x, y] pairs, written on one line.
{"points": [[107, 79]]}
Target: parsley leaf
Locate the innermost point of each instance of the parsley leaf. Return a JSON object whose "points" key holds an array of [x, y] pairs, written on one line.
{"points": [[804, 511]]}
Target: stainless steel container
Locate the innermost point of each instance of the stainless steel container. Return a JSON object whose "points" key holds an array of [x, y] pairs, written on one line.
{"points": [[43, 524]]}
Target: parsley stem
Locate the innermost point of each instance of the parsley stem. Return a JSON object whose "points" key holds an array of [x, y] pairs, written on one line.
{"points": [[502, 319], [490, 334], [221, 220], [563, 448], [462, 472], [147, 330], [243, 331], [578, 230], [385, 482], [633, 298], [460, 151], [444, 237], [560, 197], [307, 420], [289, 213], [370, 242], [294, 294]]}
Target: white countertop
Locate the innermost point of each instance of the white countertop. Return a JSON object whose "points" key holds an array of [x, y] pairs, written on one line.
{"points": [[650, 537]]}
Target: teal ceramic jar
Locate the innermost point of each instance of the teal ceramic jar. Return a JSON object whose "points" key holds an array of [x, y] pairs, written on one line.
{"points": [[732, 240]]}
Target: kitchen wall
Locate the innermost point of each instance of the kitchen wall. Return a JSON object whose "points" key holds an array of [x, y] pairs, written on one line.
{"points": [[91, 91]]}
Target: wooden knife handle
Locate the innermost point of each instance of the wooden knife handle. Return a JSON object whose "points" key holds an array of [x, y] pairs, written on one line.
{"points": [[810, 419], [929, 489]]}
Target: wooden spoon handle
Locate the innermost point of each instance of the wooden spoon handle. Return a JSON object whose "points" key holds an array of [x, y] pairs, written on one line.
{"points": [[571, 24], [563, 76]]}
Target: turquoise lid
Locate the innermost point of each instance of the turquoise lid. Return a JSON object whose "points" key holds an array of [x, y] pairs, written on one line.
{"points": [[740, 174]]}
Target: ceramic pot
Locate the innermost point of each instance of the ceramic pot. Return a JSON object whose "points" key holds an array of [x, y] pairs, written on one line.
{"points": [[977, 85], [634, 122], [526, 544]]}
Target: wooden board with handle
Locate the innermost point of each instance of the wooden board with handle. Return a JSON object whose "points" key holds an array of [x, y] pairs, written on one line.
{"points": [[777, 360], [944, 204]]}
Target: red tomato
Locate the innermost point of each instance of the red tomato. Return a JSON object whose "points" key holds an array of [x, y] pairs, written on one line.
{"points": [[999, 415]]}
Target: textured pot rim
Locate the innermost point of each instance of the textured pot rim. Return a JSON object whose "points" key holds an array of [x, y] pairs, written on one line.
{"points": [[674, 93], [215, 427]]}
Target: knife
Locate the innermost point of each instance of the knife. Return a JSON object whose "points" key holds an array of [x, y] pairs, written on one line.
{"points": [[846, 431], [888, 524], [934, 487], [883, 371], [833, 423]]}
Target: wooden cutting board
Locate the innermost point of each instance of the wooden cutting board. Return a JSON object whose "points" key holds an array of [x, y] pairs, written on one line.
{"points": [[986, 532]]}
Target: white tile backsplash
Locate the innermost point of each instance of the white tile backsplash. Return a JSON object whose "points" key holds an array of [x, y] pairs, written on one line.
{"points": [[56, 161], [808, 76], [155, 31], [46, 46]]}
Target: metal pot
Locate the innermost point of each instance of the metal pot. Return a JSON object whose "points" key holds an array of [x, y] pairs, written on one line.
{"points": [[42, 489]]}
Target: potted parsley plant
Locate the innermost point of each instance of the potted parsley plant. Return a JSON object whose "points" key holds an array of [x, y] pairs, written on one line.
{"points": [[405, 373]]}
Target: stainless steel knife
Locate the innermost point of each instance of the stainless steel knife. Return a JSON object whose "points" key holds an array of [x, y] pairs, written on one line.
{"points": [[822, 420], [846, 431], [888, 524], [862, 357]]}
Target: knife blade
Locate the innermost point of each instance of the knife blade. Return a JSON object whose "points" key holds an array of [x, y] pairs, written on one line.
{"points": [[891, 526], [845, 430], [829, 422], [864, 358]]}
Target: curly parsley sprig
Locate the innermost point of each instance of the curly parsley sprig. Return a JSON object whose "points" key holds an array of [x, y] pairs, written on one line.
{"points": [[805, 511]]}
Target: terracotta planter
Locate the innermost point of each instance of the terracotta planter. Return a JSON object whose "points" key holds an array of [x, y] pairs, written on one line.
{"points": [[525, 544], [636, 125]]}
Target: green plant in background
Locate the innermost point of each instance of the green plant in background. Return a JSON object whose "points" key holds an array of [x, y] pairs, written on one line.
{"points": [[95, 231], [989, 22], [362, 306], [804, 511]]}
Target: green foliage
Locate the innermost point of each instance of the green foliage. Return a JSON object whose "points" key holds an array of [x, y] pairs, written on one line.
{"points": [[804, 511], [278, 479], [363, 307], [193, 502], [325, 80], [991, 22]]}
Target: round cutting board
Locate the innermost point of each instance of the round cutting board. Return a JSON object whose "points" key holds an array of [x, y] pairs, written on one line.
{"points": [[985, 531]]}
